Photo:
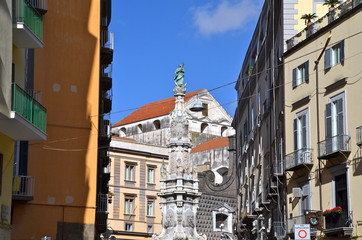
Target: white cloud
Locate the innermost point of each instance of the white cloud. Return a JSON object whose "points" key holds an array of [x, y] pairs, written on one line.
{"points": [[226, 16]]}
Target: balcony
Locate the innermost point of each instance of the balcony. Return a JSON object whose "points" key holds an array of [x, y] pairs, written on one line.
{"points": [[301, 158], [104, 132], [107, 101], [103, 157], [334, 147], [321, 23], [27, 25], [359, 136], [339, 225], [27, 118], [101, 212], [23, 188], [106, 77], [107, 46]]}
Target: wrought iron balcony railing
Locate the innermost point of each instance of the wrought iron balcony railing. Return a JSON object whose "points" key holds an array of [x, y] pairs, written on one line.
{"points": [[27, 107], [298, 158], [102, 202], [334, 145]]}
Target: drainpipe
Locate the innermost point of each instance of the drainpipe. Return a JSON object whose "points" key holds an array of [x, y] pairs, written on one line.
{"points": [[317, 109]]}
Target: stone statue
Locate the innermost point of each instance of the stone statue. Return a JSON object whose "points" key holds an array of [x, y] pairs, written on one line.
{"points": [[179, 76]]}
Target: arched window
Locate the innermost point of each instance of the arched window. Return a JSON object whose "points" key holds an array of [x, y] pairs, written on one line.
{"points": [[157, 124], [139, 128], [223, 131], [123, 132], [204, 127]]}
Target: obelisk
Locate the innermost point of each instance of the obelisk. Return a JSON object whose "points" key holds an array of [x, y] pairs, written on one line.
{"points": [[179, 191]]}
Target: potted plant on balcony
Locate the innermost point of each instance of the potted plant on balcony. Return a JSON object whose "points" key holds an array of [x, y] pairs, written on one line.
{"points": [[332, 216], [331, 4], [308, 17]]}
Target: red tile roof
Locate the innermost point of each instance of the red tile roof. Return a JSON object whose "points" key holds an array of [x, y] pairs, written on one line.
{"points": [[154, 109], [212, 144]]}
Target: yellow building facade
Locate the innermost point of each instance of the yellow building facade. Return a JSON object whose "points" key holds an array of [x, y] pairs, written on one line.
{"points": [[323, 125]]}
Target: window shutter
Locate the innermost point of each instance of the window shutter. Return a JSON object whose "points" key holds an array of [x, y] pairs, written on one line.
{"points": [[327, 58], [306, 71], [342, 50], [294, 77], [328, 120], [304, 130], [295, 126], [340, 120]]}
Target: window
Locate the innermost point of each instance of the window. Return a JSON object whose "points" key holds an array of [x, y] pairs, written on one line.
{"points": [[128, 227], [139, 128], [252, 117], [149, 229], [335, 122], [340, 192], [204, 127], [334, 55], [129, 204], [151, 174], [223, 131], [130, 172], [205, 112], [157, 124], [221, 220], [301, 74], [245, 129], [122, 132], [150, 207], [301, 130]]}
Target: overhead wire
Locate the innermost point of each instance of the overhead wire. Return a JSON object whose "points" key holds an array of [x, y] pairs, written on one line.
{"points": [[222, 86]]}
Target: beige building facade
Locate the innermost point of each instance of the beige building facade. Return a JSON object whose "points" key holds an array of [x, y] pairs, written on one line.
{"points": [[323, 125], [133, 204]]}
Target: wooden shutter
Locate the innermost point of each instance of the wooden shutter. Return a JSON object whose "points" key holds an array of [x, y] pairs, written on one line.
{"points": [[295, 127], [328, 120], [340, 116], [342, 50], [294, 77], [306, 65], [327, 58]]}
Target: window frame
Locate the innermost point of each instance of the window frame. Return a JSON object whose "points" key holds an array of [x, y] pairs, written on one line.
{"points": [[298, 129], [128, 224], [130, 171], [129, 200], [329, 56], [153, 168], [300, 74], [150, 202]]}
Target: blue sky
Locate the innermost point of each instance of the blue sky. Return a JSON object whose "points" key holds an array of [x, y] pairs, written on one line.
{"points": [[153, 37]]}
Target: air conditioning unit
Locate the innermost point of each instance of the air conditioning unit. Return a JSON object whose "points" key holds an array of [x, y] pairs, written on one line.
{"points": [[305, 190], [297, 192]]}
